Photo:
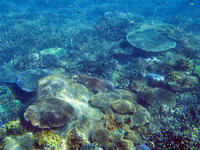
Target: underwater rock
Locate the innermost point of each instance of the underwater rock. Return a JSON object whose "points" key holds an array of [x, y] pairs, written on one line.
{"points": [[132, 136], [20, 142], [9, 105], [126, 95], [50, 56], [28, 80], [115, 76], [49, 139], [141, 116], [74, 140], [103, 101], [126, 51], [49, 60], [100, 136], [59, 87], [181, 81], [147, 96], [95, 84], [14, 127], [58, 52], [155, 80], [197, 70], [150, 40], [143, 147], [125, 144], [191, 42], [67, 93], [2, 133], [151, 96], [156, 77], [52, 86], [49, 113], [27, 61], [8, 73], [113, 16], [123, 107]]}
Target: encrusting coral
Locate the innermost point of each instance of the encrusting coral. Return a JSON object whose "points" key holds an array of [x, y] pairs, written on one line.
{"points": [[48, 138]]}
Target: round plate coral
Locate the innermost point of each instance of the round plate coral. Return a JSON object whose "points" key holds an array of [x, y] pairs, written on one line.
{"points": [[150, 40]]}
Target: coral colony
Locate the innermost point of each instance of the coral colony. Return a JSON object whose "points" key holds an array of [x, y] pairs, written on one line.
{"points": [[99, 75]]}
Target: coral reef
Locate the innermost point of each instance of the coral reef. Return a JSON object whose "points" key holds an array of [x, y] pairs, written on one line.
{"points": [[8, 73], [61, 52], [28, 80], [181, 81], [73, 140], [9, 105], [23, 142], [58, 52], [47, 138], [14, 136], [50, 56], [95, 84], [123, 107], [100, 136], [26, 62], [150, 40], [49, 113]]}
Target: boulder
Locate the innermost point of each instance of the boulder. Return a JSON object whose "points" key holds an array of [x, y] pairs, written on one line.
{"points": [[49, 113]]}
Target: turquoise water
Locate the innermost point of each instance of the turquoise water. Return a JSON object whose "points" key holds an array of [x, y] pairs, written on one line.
{"points": [[99, 74]]}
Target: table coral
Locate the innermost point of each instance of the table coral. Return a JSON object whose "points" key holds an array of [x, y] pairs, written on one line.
{"points": [[49, 113]]}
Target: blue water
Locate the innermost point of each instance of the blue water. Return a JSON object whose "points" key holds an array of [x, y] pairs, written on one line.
{"points": [[94, 35]]}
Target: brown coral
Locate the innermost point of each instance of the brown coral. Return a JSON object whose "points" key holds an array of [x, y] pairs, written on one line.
{"points": [[95, 84], [123, 107], [73, 140], [110, 122], [49, 113]]}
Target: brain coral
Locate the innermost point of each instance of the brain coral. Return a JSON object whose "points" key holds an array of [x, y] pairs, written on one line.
{"points": [[49, 113]]}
